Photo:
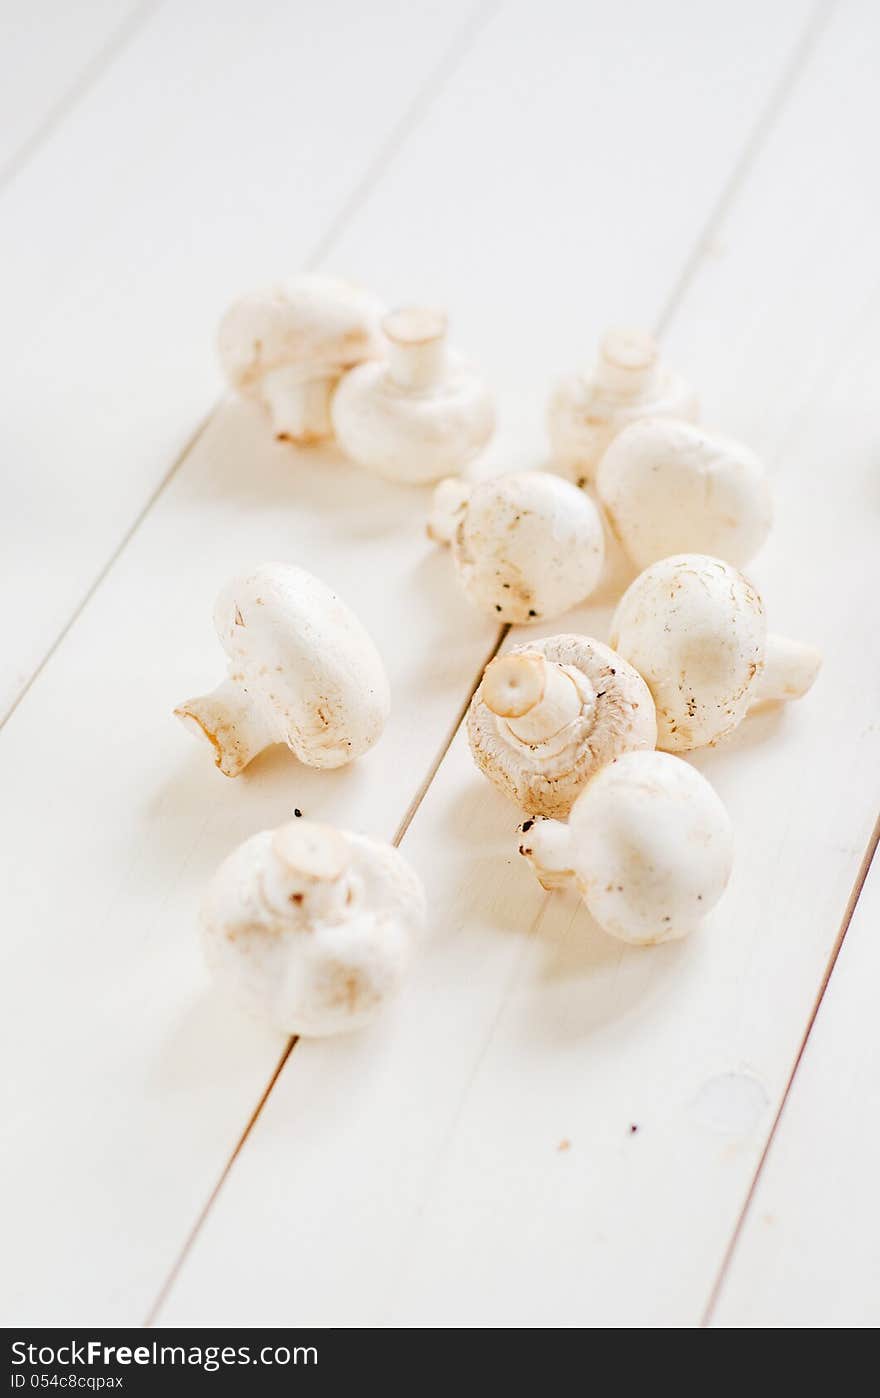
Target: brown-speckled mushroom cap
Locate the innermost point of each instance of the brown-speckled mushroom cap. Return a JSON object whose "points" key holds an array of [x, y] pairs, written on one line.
{"points": [[695, 628], [528, 546], [616, 716]]}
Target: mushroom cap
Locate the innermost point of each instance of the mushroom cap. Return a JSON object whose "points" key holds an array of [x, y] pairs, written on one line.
{"points": [[416, 437], [546, 778], [669, 487], [413, 436], [651, 845], [529, 546], [695, 628], [310, 928], [306, 660], [587, 410], [323, 324]]}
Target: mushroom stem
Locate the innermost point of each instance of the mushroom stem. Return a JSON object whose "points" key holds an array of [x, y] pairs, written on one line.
{"points": [[790, 667], [417, 354], [311, 850], [230, 722], [535, 696], [627, 362], [299, 408], [450, 498], [546, 844], [309, 867]]}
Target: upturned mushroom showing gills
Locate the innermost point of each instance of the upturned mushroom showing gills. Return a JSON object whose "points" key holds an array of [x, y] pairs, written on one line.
{"points": [[310, 928], [526, 546], [288, 346], [695, 629], [549, 714], [668, 487], [586, 411], [648, 845], [423, 414], [302, 671]]}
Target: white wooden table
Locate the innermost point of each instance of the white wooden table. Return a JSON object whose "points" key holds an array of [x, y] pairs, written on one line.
{"points": [[706, 169]]}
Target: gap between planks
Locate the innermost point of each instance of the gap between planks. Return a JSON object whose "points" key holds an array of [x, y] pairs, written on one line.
{"points": [[209, 1202], [81, 86], [755, 140], [848, 912]]}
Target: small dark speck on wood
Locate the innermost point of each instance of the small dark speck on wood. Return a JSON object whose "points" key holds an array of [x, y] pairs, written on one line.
{"points": [[297, 812]]}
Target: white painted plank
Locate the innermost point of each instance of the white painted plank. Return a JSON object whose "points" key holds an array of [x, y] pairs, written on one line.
{"points": [[49, 53], [809, 1253], [214, 153], [525, 1029]]}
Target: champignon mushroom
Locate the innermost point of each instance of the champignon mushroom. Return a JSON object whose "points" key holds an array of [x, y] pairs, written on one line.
{"points": [[648, 845], [694, 628], [302, 671], [311, 928], [423, 415], [669, 487], [550, 713], [587, 411], [289, 345], [527, 546]]}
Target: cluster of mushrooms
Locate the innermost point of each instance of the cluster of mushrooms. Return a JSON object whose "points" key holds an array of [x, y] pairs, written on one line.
{"points": [[311, 927]]}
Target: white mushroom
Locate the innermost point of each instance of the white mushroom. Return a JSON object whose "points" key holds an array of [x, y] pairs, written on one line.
{"points": [[549, 714], [648, 845], [302, 671], [527, 546], [310, 928], [669, 487], [288, 346], [423, 414], [694, 627], [587, 411]]}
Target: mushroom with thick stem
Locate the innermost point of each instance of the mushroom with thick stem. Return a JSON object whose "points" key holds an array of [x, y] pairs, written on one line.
{"points": [[648, 845], [423, 414], [669, 487], [312, 928], [288, 347], [628, 382], [527, 546], [695, 629], [550, 713], [302, 671]]}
